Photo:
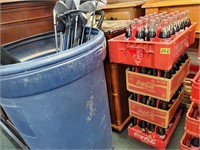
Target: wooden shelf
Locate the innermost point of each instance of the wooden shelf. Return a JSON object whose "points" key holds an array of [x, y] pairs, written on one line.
{"points": [[124, 4], [164, 3]]}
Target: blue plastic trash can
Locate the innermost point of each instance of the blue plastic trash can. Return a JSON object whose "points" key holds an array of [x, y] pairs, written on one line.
{"points": [[57, 100]]}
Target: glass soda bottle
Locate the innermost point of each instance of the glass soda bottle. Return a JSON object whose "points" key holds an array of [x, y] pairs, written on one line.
{"points": [[176, 25], [134, 121], [134, 27], [140, 36], [146, 29], [164, 29], [180, 21], [187, 13], [143, 126], [161, 133], [151, 128], [128, 32], [195, 143], [152, 29], [171, 25]]}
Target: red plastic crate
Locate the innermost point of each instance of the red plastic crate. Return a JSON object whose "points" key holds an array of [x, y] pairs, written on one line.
{"points": [[153, 139], [185, 142], [157, 87], [195, 92], [159, 55], [192, 125], [154, 115]]}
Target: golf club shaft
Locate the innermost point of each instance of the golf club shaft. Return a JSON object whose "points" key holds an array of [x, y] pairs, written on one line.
{"points": [[91, 26]]}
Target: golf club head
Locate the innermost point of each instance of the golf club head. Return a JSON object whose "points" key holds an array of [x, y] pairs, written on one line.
{"points": [[60, 7], [77, 3], [88, 6], [69, 3]]}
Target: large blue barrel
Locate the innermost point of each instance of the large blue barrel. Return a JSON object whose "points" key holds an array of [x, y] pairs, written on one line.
{"points": [[57, 100]]}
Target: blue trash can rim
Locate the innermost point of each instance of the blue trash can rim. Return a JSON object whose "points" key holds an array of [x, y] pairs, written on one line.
{"points": [[51, 59]]}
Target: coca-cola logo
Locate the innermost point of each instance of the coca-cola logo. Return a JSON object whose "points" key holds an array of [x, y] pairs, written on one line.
{"points": [[145, 113], [147, 139], [180, 46], [145, 85]]}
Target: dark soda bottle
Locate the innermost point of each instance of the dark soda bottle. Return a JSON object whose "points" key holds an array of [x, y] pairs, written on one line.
{"points": [[171, 24], [152, 29], [151, 128], [140, 31], [176, 66], [175, 96], [195, 143], [172, 70], [161, 133], [143, 126], [176, 25], [134, 97], [128, 32], [144, 99], [185, 55], [153, 102], [187, 12], [164, 106], [181, 59], [164, 29], [179, 62], [155, 72], [167, 74], [134, 26], [144, 70], [134, 121], [133, 68], [180, 21], [146, 29]]}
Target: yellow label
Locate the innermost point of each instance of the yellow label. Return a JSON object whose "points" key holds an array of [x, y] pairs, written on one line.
{"points": [[165, 51]]}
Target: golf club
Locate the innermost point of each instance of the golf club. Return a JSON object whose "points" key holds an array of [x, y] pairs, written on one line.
{"points": [[58, 8], [92, 22]]}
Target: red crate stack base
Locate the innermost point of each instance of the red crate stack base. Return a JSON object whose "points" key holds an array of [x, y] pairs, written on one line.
{"points": [[153, 139]]}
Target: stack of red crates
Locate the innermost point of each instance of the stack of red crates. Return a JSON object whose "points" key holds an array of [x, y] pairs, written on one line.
{"points": [[192, 123], [161, 56]]}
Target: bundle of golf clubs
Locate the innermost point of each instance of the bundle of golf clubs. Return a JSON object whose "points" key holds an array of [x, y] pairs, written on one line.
{"points": [[70, 18]]}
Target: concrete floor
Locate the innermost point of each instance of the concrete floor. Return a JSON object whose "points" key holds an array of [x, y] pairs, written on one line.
{"points": [[120, 140]]}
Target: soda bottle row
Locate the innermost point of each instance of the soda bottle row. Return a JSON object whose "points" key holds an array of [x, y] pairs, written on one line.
{"points": [[162, 73], [153, 102], [150, 128], [163, 26]]}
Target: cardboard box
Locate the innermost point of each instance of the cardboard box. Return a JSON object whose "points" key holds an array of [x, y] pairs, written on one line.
{"points": [[157, 87], [153, 139], [154, 115]]}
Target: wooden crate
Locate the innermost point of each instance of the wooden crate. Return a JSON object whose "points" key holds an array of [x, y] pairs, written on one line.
{"points": [[124, 10]]}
